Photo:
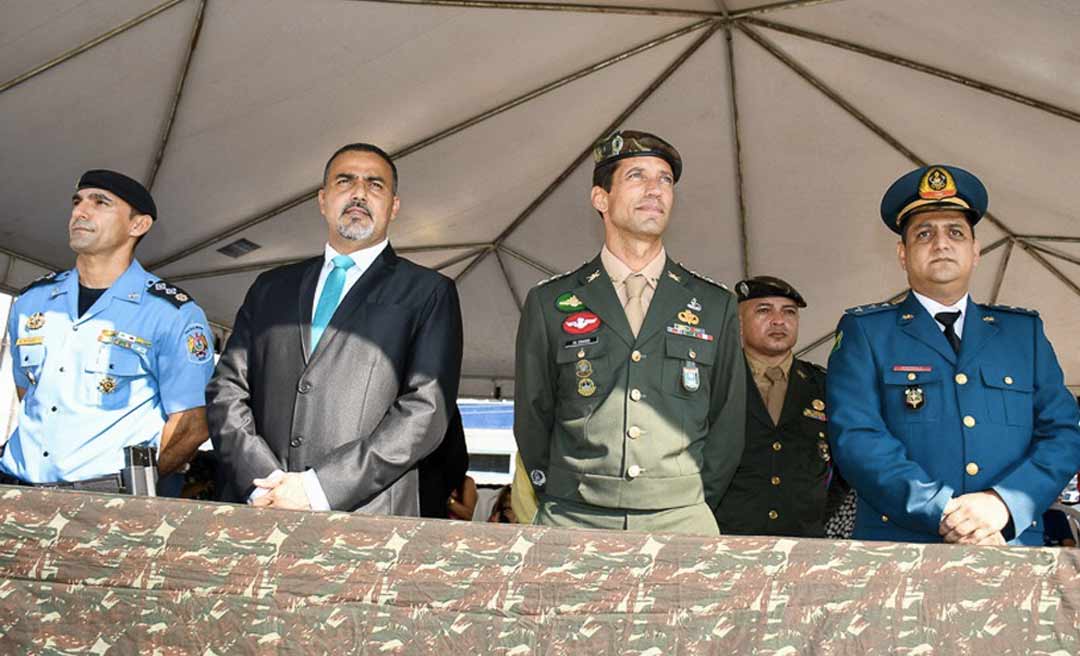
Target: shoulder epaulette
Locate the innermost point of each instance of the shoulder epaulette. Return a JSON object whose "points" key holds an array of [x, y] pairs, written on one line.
{"points": [[1012, 308], [43, 280], [702, 276], [559, 275], [860, 310], [817, 366], [170, 293]]}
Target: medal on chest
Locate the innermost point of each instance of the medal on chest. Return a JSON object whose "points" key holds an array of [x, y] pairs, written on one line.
{"points": [[914, 398], [691, 376]]}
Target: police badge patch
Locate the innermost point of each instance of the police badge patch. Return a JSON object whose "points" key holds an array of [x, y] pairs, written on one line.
{"points": [[198, 344]]}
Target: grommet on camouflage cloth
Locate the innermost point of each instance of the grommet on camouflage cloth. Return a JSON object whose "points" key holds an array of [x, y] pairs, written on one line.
{"points": [[632, 143]]}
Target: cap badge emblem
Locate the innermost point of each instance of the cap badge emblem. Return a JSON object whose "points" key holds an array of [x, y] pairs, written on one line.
{"points": [[936, 184]]}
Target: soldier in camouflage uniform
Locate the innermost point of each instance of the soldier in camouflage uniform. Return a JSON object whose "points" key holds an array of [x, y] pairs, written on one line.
{"points": [[630, 387]]}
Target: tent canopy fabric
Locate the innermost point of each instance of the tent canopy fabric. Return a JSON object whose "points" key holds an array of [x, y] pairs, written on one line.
{"points": [[792, 118]]}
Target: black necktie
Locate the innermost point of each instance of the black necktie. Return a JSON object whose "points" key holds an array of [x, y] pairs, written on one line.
{"points": [[948, 319]]}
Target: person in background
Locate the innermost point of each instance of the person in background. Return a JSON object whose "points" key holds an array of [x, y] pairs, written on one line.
{"points": [[786, 483]]}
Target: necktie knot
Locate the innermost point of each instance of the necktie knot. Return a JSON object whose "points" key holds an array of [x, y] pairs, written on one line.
{"points": [[635, 285], [343, 262], [947, 319], [774, 374]]}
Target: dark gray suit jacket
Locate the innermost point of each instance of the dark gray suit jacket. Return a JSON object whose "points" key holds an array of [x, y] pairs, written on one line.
{"points": [[364, 409]]}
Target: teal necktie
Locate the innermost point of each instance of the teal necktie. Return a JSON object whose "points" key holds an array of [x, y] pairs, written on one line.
{"points": [[330, 297]]}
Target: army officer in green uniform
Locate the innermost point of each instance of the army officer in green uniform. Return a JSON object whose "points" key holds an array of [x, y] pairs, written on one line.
{"points": [[630, 384], [785, 483]]}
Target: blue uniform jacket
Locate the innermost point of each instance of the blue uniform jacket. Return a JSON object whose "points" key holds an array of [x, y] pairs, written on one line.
{"points": [[995, 416], [108, 379]]}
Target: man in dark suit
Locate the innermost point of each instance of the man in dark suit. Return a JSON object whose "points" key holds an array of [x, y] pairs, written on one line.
{"points": [[342, 370], [785, 480]]}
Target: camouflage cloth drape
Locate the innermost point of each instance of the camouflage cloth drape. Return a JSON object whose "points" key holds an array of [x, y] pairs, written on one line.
{"points": [[106, 574]]}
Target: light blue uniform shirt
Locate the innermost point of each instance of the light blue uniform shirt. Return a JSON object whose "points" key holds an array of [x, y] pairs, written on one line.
{"points": [[109, 379]]}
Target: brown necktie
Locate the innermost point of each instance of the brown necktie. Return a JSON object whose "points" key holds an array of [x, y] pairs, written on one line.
{"points": [[635, 310], [774, 400]]}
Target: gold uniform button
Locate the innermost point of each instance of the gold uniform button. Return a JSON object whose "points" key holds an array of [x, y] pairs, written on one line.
{"points": [[692, 354], [776, 480], [969, 421], [884, 518], [821, 435], [1008, 380], [634, 432], [961, 379], [633, 471], [635, 394], [773, 514], [911, 376], [971, 469], [776, 446], [636, 356]]}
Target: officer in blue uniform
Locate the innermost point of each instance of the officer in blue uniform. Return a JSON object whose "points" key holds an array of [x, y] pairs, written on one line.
{"points": [[950, 418], [105, 355]]}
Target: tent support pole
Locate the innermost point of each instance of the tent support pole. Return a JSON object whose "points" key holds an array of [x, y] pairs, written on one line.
{"points": [[806, 75], [585, 8], [96, 41], [1000, 277], [433, 139], [972, 83], [506, 277], [166, 131], [744, 235], [542, 268]]}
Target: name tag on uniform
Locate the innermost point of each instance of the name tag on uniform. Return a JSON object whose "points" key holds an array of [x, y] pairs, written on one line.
{"points": [[30, 341]]}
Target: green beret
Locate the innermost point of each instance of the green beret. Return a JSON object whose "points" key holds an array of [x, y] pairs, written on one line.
{"points": [[631, 143], [762, 286], [125, 188]]}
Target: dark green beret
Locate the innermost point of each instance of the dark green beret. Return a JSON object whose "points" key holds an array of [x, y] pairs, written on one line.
{"points": [[127, 189], [631, 143], [762, 286], [935, 187]]}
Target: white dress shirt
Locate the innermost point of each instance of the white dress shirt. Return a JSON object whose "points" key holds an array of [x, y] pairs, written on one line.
{"points": [[933, 307], [364, 258]]}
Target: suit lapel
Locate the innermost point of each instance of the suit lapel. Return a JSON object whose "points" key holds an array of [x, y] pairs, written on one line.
{"points": [[977, 331], [597, 292], [754, 402], [356, 298], [793, 398], [671, 295], [917, 322], [309, 279]]}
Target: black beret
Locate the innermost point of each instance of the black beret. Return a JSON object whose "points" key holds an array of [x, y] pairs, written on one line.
{"points": [[127, 189], [762, 286], [631, 143]]}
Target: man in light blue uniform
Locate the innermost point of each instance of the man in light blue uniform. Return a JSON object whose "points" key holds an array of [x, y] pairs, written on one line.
{"points": [[105, 355], [950, 419]]}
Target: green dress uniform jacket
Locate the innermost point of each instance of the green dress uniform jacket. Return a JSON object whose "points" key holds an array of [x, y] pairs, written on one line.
{"points": [[616, 422], [781, 484]]}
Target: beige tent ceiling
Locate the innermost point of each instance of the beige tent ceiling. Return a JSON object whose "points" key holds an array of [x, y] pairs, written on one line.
{"points": [[792, 118]]}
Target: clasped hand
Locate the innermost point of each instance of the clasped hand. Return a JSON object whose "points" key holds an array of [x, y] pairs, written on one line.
{"points": [[975, 518]]}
